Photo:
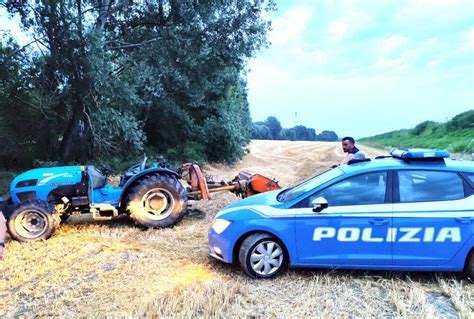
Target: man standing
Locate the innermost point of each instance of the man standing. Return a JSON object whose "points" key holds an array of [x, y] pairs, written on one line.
{"points": [[350, 150]]}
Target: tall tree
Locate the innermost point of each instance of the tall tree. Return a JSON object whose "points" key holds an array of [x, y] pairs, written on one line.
{"points": [[114, 74], [63, 34], [275, 127]]}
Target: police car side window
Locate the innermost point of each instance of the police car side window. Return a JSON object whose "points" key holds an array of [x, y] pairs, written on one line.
{"points": [[471, 179], [362, 189], [428, 186]]}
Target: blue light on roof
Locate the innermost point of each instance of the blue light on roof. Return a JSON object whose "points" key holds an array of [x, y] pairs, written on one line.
{"points": [[418, 153]]}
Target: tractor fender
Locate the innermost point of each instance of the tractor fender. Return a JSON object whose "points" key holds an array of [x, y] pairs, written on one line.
{"points": [[150, 171]]}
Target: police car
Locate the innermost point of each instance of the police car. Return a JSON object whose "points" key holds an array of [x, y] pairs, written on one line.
{"points": [[411, 211]]}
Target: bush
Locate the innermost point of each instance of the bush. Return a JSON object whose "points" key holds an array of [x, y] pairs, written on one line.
{"points": [[462, 121], [420, 128], [260, 131], [454, 135]]}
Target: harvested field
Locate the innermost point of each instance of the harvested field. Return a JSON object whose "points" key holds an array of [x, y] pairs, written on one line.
{"points": [[114, 269]]}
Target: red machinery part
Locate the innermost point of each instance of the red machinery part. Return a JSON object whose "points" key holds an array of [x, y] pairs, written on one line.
{"points": [[196, 180], [260, 184], [244, 185]]}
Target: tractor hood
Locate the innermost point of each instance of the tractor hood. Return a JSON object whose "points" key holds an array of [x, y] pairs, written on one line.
{"points": [[38, 183], [46, 176]]}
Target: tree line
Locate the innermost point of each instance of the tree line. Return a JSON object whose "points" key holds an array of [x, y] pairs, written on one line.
{"points": [[112, 79], [271, 129]]}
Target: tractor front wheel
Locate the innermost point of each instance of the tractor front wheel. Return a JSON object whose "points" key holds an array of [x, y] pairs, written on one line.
{"points": [[33, 220], [157, 201]]}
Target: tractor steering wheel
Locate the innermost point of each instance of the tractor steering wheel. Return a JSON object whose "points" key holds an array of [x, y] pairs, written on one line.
{"points": [[143, 163], [106, 169]]}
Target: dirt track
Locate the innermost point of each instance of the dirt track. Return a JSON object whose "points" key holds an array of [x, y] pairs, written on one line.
{"points": [[288, 162], [115, 269]]}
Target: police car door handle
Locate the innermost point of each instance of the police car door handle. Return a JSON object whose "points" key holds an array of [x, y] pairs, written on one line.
{"points": [[464, 220], [379, 221]]}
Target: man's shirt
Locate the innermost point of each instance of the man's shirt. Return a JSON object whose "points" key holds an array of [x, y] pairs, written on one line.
{"points": [[354, 150], [350, 155]]}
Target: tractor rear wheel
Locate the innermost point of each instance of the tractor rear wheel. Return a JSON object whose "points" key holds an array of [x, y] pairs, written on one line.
{"points": [[33, 220], [157, 201]]}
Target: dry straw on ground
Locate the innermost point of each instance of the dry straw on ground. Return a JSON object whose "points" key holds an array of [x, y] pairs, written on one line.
{"points": [[113, 269]]}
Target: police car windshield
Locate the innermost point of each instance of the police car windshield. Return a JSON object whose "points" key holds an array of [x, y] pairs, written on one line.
{"points": [[295, 192]]}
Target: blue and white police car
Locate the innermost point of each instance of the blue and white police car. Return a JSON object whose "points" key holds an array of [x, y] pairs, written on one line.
{"points": [[412, 211]]}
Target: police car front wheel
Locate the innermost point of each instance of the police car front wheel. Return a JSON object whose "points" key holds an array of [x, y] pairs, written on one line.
{"points": [[469, 269], [262, 256]]}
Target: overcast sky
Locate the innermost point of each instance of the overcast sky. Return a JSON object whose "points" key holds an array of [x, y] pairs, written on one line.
{"points": [[361, 67], [365, 67]]}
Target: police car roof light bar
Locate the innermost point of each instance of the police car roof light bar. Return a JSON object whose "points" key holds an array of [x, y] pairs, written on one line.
{"points": [[418, 153]]}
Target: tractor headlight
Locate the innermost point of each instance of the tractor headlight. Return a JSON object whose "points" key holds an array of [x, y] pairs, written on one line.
{"points": [[219, 225]]}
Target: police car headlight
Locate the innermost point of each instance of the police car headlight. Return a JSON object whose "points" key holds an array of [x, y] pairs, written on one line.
{"points": [[219, 225]]}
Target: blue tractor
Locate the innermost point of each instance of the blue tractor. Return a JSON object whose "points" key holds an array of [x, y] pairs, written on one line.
{"points": [[40, 199]]}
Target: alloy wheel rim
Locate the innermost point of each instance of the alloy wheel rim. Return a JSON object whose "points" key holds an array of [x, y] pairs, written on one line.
{"points": [[266, 258]]}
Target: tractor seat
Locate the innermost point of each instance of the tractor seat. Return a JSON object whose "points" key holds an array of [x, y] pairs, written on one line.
{"points": [[98, 180]]}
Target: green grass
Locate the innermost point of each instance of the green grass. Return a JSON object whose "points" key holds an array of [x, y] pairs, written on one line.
{"points": [[426, 135]]}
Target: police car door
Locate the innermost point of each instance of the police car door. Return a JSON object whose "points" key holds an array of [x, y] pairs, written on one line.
{"points": [[432, 219], [352, 230]]}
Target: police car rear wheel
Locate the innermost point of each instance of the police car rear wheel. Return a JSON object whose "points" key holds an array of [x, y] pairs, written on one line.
{"points": [[262, 256]]}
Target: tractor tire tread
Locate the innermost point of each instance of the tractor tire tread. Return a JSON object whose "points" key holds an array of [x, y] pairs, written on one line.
{"points": [[37, 204], [142, 186]]}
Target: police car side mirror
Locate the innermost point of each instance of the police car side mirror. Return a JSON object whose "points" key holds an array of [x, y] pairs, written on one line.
{"points": [[319, 204]]}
